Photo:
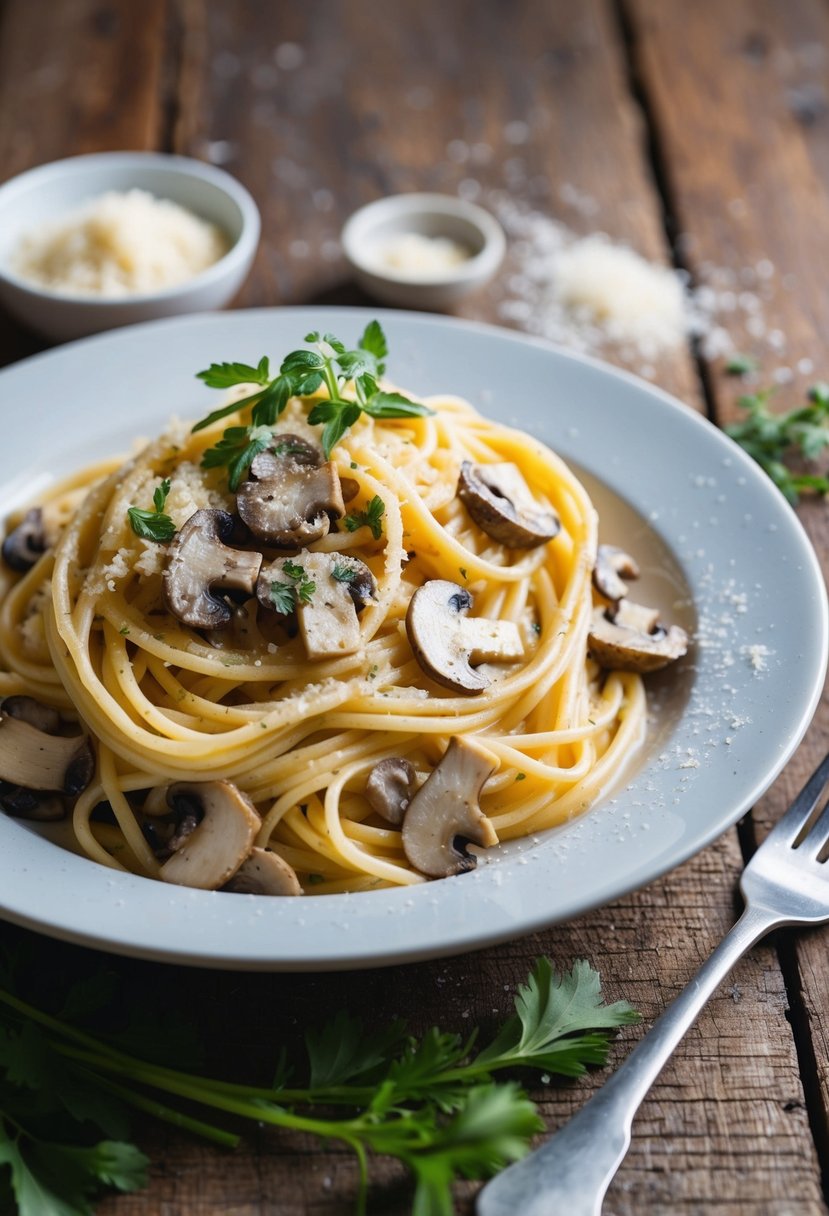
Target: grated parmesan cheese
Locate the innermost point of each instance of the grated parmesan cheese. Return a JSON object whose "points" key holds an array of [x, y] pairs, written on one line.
{"points": [[119, 244], [416, 256], [189, 494], [631, 298]]}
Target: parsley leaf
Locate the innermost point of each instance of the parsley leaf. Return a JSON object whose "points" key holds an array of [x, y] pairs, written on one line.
{"points": [[430, 1103], [343, 574], [370, 518], [271, 403], [741, 365], [394, 405], [304, 586], [237, 449], [226, 375], [283, 597], [338, 416], [491, 1129], [301, 374], [374, 341], [771, 439], [153, 525], [343, 1050], [551, 1013]]}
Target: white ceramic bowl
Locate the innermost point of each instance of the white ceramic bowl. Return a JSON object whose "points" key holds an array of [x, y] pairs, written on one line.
{"points": [[368, 233], [51, 191]]}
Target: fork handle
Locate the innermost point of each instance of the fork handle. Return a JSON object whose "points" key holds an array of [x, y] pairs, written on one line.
{"points": [[569, 1175]]}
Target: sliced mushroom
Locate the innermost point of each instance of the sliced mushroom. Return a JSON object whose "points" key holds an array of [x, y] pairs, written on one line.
{"points": [[297, 449], [612, 567], [27, 709], [264, 872], [226, 823], [447, 642], [444, 815], [327, 597], [38, 760], [25, 543], [199, 564], [501, 504], [356, 577], [38, 805], [349, 488], [37, 531], [629, 637], [289, 504], [390, 788]]}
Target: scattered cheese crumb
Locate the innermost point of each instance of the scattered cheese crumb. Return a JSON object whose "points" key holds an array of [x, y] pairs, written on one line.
{"points": [[757, 655], [628, 296]]}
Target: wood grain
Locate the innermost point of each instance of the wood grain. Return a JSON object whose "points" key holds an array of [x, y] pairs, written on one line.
{"points": [[738, 95], [471, 100], [529, 97], [76, 77]]}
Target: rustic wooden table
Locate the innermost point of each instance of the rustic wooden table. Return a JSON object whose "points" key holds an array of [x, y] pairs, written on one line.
{"points": [[699, 133]]}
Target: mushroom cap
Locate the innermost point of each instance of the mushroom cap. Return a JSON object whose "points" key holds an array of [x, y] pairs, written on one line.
{"points": [[390, 787], [355, 577], [501, 504], [613, 565], [264, 872], [445, 641], [328, 621], [198, 563], [293, 447], [349, 488], [212, 852], [289, 504], [39, 760], [26, 543], [27, 709], [37, 805], [629, 637], [444, 814]]}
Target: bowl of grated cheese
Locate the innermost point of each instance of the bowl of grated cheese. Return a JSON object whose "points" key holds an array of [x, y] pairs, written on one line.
{"points": [[423, 251], [95, 242]]}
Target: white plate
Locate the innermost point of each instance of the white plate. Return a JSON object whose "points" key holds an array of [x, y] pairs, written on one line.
{"points": [[699, 513]]}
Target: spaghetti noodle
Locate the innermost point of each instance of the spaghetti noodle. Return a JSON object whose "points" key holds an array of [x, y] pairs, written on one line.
{"points": [[88, 630]]}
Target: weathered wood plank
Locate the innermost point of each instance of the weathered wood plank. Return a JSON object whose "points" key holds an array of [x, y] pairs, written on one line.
{"points": [[268, 91], [417, 103], [725, 1128], [738, 94], [741, 117], [75, 77]]}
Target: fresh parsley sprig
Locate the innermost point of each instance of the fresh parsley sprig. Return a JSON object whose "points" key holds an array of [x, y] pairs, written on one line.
{"points": [[371, 517], [237, 448], [153, 525], [432, 1103], [303, 373], [343, 573], [286, 596], [771, 439]]}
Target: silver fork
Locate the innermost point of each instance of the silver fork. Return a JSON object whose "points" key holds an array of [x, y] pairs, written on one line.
{"points": [[785, 883]]}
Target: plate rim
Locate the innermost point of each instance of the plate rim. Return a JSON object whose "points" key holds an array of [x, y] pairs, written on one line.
{"points": [[470, 938]]}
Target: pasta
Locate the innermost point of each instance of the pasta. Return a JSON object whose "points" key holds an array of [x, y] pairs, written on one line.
{"points": [[89, 630]]}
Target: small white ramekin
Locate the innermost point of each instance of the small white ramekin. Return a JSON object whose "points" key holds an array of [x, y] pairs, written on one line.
{"points": [[371, 228], [50, 191]]}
